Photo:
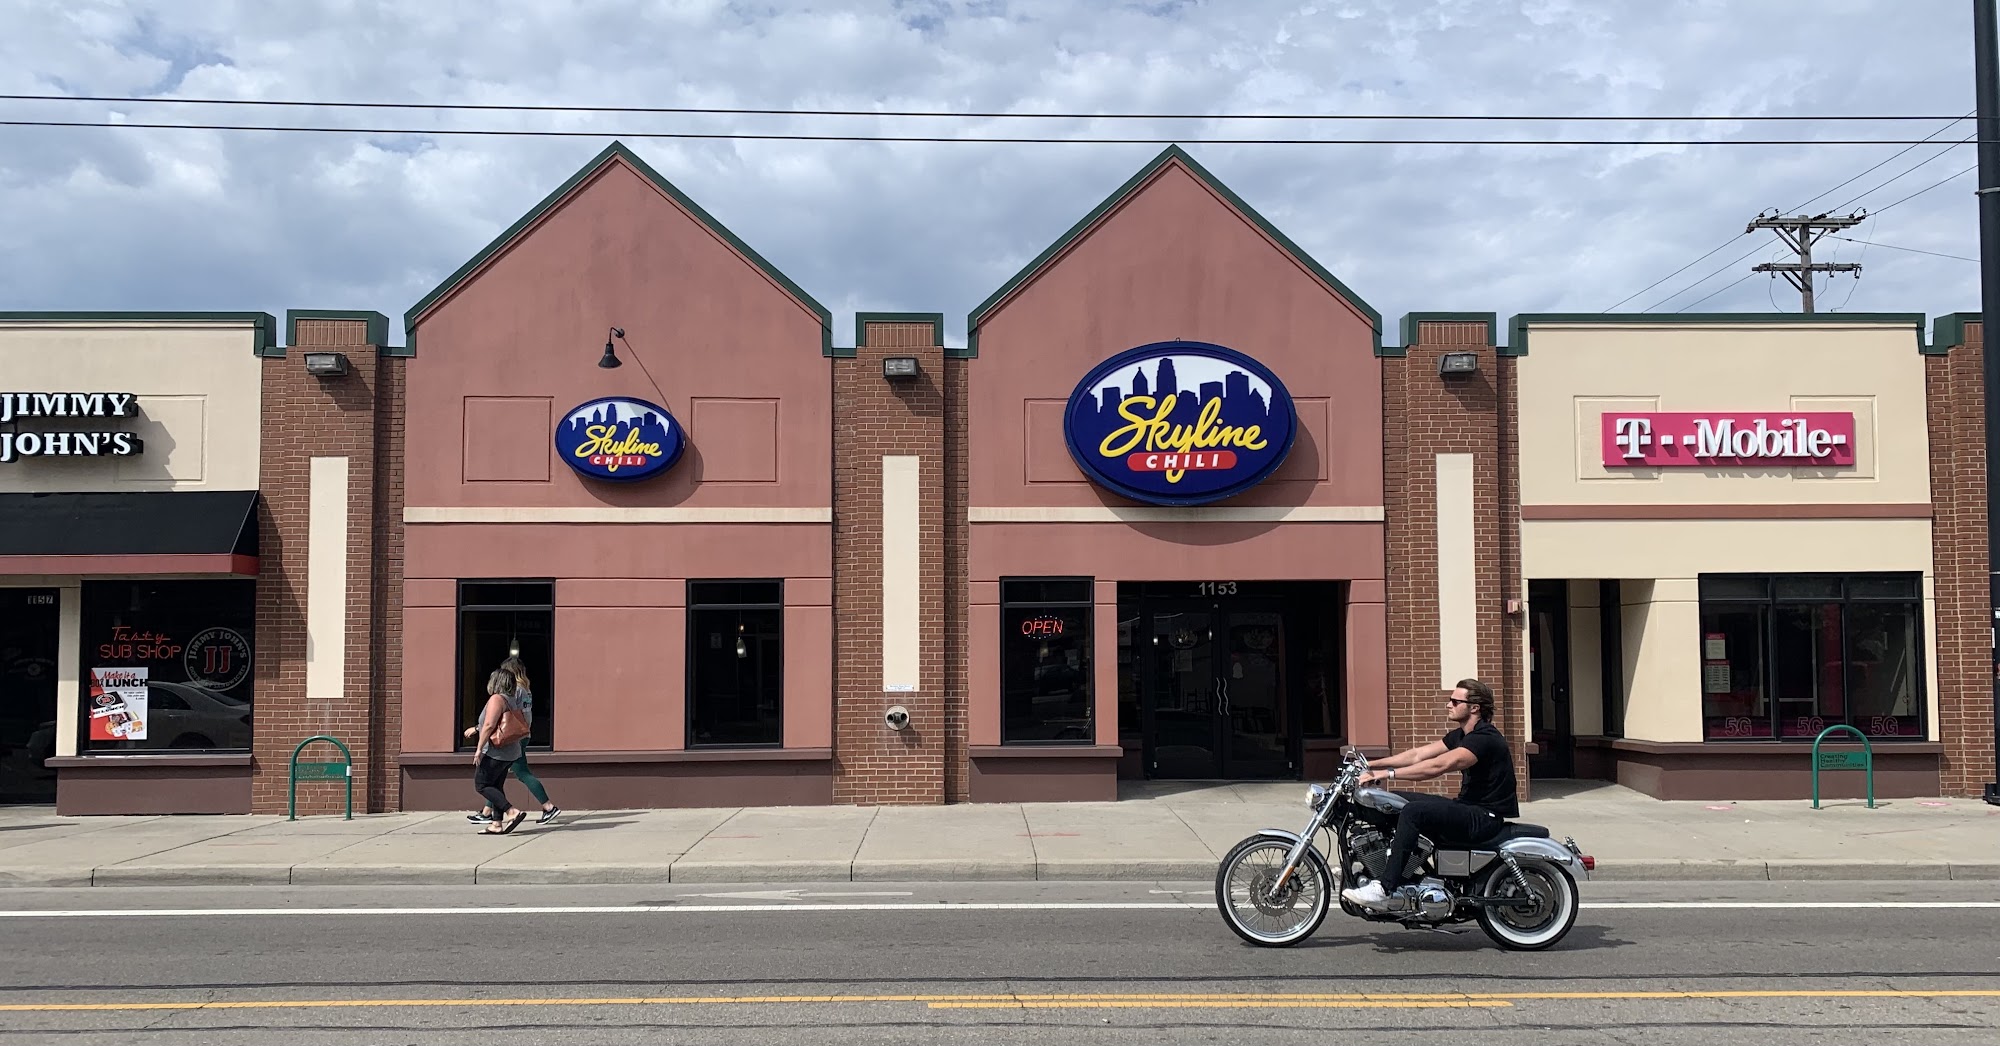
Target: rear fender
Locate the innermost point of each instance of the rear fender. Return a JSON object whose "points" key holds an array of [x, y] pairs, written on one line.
{"points": [[1544, 850]]}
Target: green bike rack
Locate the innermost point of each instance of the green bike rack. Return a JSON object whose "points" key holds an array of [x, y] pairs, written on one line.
{"points": [[321, 772], [1862, 760]]}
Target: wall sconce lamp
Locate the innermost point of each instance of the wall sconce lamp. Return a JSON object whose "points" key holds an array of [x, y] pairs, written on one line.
{"points": [[326, 364], [1458, 363], [899, 368], [610, 357]]}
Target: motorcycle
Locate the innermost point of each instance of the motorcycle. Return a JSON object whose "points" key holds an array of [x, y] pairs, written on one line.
{"points": [[1276, 887]]}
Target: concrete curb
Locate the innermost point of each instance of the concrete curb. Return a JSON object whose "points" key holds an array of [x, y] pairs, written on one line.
{"points": [[933, 870]]}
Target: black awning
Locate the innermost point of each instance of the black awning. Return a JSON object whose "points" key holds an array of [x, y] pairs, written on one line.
{"points": [[130, 523]]}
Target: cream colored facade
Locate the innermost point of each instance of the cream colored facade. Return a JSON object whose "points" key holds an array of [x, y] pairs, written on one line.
{"points": [[1871, 516], [198, 384]]}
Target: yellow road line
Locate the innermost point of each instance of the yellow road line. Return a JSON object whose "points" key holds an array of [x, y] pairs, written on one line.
{"points": [[1058, 1001], [1228, 1004]]}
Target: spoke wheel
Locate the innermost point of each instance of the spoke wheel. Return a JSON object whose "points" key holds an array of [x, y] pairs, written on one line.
{"points": [[1257, 908], [1546, 911]]}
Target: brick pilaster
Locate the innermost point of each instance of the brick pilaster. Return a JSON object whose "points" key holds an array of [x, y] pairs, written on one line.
{"points": [[1426, 415], [1963, 690], [307, 417], [873, 419]]}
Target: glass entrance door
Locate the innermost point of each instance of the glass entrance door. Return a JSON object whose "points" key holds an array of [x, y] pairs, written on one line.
{"points": [[30, 620], [1214, 689]]}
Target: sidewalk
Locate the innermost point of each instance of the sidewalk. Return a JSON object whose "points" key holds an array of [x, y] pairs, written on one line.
{"points": [[1159, 832]]}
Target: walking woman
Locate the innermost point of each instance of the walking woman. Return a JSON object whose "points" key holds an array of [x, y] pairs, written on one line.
{"points": [[490, 778], [525, 694]]}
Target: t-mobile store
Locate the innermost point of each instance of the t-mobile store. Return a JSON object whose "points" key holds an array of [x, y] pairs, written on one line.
{"points": [[1728, 543]]}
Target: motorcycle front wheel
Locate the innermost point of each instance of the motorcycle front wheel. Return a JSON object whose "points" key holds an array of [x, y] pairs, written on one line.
{"points": [[1258, 914], [1548, 912]]}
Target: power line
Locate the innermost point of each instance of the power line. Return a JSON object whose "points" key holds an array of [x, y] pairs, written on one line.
{"points": [[1912, 170], [717, 111], [1912, 250], [968, 139], [1732, 264], [1799, 207], [1717, 291], [1885, 162], [1928, 188]]}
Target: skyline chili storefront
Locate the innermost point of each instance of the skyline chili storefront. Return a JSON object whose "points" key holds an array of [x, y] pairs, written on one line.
{"points": [[1175, 512]]}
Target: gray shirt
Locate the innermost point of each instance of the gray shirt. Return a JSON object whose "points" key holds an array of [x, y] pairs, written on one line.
{"points": [[510, 752]]}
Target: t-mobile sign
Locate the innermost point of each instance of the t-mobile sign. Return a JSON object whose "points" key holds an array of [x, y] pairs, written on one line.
{"points": [[1808, 438]]}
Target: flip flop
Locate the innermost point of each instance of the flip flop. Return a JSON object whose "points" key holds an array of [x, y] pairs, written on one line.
{"points": [[519, 816]]}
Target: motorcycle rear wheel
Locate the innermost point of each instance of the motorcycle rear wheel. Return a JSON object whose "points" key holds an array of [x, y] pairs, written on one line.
{"points": [[1529, 929], [1242, 892]]}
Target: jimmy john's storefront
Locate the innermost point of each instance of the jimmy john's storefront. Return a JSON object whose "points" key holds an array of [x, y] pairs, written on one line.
{"points": [[128, 561]]}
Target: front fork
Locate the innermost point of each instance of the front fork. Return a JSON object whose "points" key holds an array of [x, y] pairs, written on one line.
{"points": [[1298, 853]]}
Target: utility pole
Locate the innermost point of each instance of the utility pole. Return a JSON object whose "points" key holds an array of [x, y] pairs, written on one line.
{"points": [[1986, 81], [1799, 234]]}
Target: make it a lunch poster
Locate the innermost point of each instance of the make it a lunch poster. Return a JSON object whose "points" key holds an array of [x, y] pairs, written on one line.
{"points": [[118, 704]]}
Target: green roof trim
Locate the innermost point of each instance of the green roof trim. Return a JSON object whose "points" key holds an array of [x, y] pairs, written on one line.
{"points": [[1172, 154], [378, 324], [616, 151], [265, 324], [1410, 320], [863, 319], [1517, 326], [1948, 332]]}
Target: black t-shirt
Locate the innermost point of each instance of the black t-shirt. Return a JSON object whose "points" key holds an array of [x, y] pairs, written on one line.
{"points": [[1489, 782]]}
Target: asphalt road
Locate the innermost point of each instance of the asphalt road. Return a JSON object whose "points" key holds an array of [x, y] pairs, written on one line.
{"points": [[1653, 963]]}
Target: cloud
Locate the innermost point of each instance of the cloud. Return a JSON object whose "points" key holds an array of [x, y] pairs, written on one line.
{"points": [[155, 219]]}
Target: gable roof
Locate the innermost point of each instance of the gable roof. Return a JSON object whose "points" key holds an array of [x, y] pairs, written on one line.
{"points": [[1176, 156], [616, 152]]}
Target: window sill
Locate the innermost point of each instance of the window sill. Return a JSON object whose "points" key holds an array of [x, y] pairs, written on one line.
{"points": [[1058, 750], [102, 760], [697, 755], [1882, 746]]}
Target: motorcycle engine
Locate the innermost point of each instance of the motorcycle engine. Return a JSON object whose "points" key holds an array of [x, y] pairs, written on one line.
{"points": [[1370, 848]]}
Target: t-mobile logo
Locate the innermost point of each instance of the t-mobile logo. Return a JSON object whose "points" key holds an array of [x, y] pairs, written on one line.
{"points": [[1635, 435]]}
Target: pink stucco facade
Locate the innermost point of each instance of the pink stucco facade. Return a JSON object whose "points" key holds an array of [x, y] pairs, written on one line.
{"points": [[1175, 258], [710, 334]]}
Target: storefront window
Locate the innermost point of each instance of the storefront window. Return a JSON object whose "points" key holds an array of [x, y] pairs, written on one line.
{"points": [[1788, 656], [167, 665], [1046, 688], [497, 619], [736, 663]]}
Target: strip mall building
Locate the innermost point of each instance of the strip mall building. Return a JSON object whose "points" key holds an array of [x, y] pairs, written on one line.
{"points": [[1181, 508]]}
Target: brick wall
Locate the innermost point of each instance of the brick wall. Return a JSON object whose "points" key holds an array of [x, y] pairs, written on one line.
{"points": [[874, 418], [957, 595], [1964, 686], [307, 417], [1425, 415], [385, 745]]}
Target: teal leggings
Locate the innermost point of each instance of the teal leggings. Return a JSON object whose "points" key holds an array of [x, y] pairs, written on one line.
{"points": [[527, 777]]}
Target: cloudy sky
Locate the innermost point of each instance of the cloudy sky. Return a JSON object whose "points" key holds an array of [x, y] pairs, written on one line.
{"points": [[156, 219]]}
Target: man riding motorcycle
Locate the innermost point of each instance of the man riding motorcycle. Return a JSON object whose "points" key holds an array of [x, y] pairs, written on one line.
{"points": [[1477, 750]]}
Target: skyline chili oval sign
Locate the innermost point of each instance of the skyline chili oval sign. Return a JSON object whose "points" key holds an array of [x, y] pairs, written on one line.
{"points": [[1179, 423], [621, 439]]}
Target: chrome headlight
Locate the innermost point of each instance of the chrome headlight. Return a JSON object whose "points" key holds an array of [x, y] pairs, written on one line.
{"points": [[1317, 795]]}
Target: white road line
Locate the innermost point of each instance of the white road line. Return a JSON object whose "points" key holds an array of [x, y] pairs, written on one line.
{"points": [[942, 906]]}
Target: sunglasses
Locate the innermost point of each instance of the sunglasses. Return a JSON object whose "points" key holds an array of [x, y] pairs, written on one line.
{"points": [[1457, 701]]}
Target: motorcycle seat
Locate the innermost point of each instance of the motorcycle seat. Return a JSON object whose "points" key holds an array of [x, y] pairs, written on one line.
{"points": [[1520, 830]]}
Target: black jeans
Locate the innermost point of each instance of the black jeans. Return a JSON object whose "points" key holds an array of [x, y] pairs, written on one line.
{"points": [[490, 778], [1445, 822]]}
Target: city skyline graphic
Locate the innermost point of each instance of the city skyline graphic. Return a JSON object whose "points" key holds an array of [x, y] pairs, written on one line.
{"points": [[1195, 380], [625, 417]]}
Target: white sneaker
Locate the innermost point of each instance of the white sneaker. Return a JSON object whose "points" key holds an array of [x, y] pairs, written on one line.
{"points": [[1370, 896]]}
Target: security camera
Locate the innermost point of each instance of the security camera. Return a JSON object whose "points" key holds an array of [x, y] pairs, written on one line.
{"points": [[897, 717]]}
